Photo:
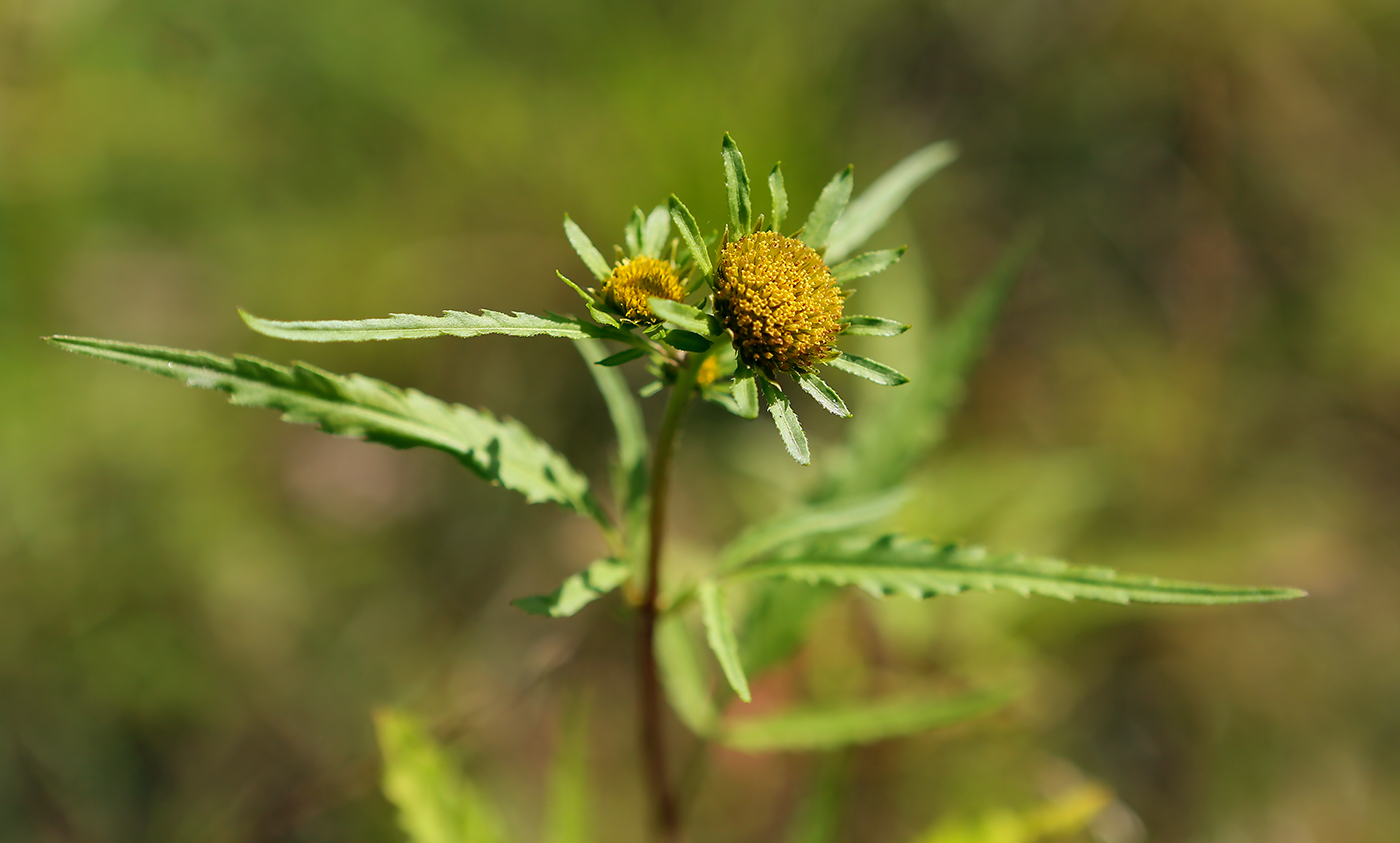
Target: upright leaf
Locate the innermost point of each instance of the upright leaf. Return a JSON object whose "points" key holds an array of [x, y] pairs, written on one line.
{"points": [[719, 631], [592, 258], [435, 802], [736, 186], [683, 677], [873, 208], [789, 428], [920, 568], [577, 591], [632, 233], [502, 452], [778, 191], [807, 522], [832, 201], [656, 231], [407, 326], [855, 724], [690, 233]]}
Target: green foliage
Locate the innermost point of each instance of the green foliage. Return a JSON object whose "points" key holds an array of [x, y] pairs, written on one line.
{"points": [[869, 369], [656, 231], [502, 452], [856, 724], [789, 428], [577, 591], [822, 394], [436, 803], [683, 676], [719, 631], [592, 258], [866, 264], [736, 185], [745, 391], [872, 326], [690, 233], [686, 318], [919, 568], [873, 208], [832, 201], [570, 814], [809, 521], [778, 191], [406, 326], [1067, 814]]}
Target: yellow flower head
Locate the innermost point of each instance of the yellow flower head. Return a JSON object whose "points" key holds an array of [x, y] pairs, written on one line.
{"points": [[634, 281], [776, 296]]}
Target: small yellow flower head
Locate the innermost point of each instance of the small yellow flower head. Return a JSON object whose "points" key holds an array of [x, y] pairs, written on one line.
{"points": [[634, 281], [776, 296], [709, 371]]}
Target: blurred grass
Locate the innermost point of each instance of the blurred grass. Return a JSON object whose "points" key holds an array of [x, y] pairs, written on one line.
{"points": [[199, 607]]}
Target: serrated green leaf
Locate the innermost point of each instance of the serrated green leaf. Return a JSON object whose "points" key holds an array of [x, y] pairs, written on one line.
{"points": [[920, 568], [656, 231], [869, 369], [690, 233], [823, 394], [684, 317], [627, 355], [745, 392], [683, 677], [570, 816], [865, 264], [402, 326], [577, 591], [832, 201], [501, 451], [603, 317], [435, 802], [736, 186], [873, 208], [871, 326], [854, 725], [719, 631], [789, 428], [629, 469], [806, 522], [632, 233], [778, 190], [592, 258], [687, 341]]}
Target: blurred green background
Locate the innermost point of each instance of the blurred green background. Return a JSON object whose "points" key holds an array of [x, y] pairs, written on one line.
{"points": [[1199, 378]]}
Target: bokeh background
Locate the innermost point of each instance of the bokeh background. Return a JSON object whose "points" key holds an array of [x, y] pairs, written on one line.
{"points": [[200, 606]]}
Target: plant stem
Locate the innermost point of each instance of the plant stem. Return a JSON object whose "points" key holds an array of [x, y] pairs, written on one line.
{"points": [[665, 806]]}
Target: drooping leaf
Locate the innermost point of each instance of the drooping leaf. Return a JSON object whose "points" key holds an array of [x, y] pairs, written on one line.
{"points": [[786, 420], [832, 201], [719, 631], [500, 451], [629, 470], [690, 233], [871, 326], [920, 568], [745, 392], [778, 191], [570, 817], [592, 258], [407, 326], [823, 394], [1057, 819], [855, 724], [684, 317], [632, 233], [656, 231], [577, 591], [865, 264], [435, 802], [683, 677], [873, 208], [866, 368], [736, 186], [806, 522]]}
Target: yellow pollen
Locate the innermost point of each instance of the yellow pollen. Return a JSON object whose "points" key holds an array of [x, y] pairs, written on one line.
{"points": [[776, 296], [634, 281]]}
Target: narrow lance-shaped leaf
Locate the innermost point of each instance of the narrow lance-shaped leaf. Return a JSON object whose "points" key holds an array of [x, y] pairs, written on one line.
{"points": [[873, 208], [690, 233], [577, 591], [778, 191], [719, 631], [736, 186], [918, 568], [435, 802], [503, 452], [825, 519], [866, 368], [656, 231], [830, 204], [406, 326], [592, 258], [683, 677], [745, 391], [824, 395], [685, 318], [865, 264], [789, 428], [632, 233], [855, 724], [871, 326]]}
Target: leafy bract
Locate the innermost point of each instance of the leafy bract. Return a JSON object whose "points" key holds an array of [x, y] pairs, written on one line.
{"points": [[871, 370], [871, 326], [830, 204], [854, 724], [435, 802], [577, 591], [789, 428], [592, 258], [822, 394], [684, 317], [690, 233], [920, 568], [655, 231], [500, 451], [719, 631], [736, 185], [778, 191], [865, 264], [873, 208], [745, 392], [405, 326], [806, 522]]}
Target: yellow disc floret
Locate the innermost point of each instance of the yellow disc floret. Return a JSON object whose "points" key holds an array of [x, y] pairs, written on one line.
{"points": [[634, 281], [776, 296]]}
